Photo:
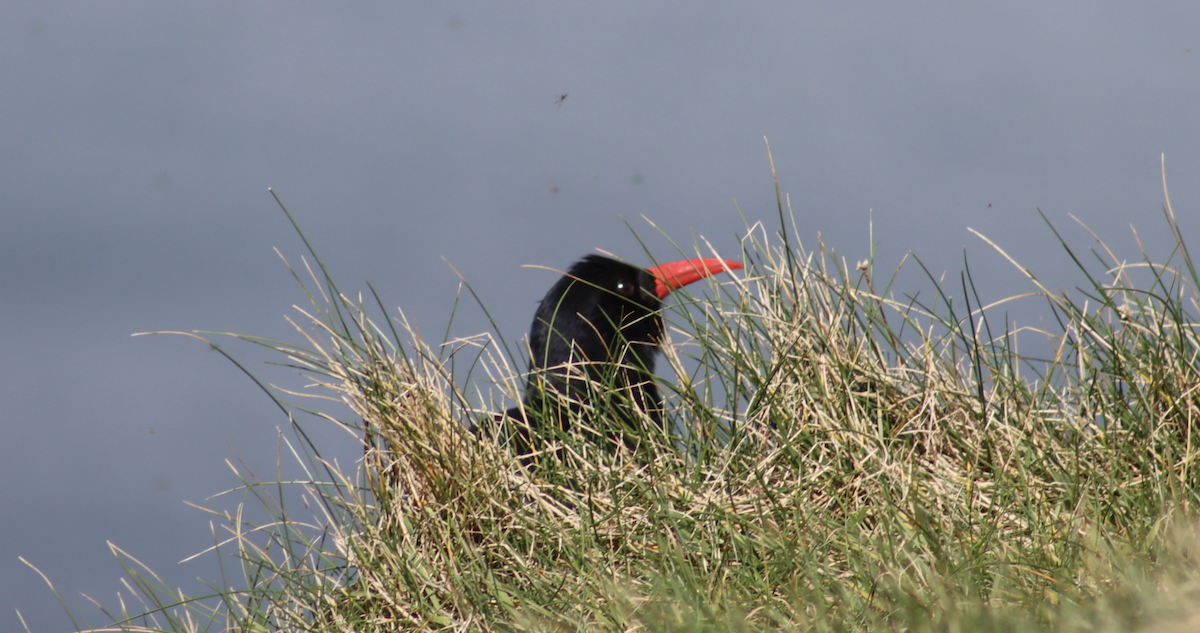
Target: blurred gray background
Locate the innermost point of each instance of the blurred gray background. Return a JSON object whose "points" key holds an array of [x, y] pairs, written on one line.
{"points": [[138, 140]]}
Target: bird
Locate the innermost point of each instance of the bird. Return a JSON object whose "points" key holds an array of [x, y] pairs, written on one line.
{"points": [[593, 344]]}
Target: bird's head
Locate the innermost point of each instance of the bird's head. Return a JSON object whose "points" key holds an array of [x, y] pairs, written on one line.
{"points": [[599, 297]]}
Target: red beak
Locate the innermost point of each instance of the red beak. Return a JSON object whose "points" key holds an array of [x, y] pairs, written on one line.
{"points": [[675, 275]]}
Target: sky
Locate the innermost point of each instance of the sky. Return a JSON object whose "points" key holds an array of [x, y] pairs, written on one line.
{"points": [[138, 141]]}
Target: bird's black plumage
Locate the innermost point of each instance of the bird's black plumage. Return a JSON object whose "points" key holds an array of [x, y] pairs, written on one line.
{"points": [[596, 332], [593, 344]]}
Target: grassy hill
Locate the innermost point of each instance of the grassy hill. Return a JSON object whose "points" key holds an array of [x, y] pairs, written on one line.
{"points": [[837, 460]]}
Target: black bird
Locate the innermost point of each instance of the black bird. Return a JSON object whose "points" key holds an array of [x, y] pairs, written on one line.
{"points": [[593, 344]]}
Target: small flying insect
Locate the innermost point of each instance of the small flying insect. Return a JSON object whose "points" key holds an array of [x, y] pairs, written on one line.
{"points": [[558, 102]]}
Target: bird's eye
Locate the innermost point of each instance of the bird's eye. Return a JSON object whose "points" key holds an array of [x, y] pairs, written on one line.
{"points": [[625, 288]]}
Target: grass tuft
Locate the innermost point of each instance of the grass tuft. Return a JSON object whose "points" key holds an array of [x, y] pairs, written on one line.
{"points": [[838, 460]]}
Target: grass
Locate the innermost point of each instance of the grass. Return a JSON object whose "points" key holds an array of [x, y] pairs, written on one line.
{"points": [[839, 460]]}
